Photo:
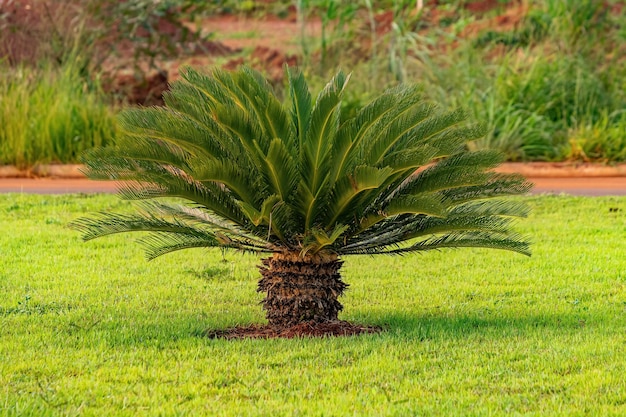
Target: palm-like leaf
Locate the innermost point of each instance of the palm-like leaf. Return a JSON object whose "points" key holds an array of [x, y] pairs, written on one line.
{"points": [[395, 178], [302, 182]]}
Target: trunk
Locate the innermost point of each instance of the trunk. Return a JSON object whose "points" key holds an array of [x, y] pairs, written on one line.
{"points": [[301, 289]]}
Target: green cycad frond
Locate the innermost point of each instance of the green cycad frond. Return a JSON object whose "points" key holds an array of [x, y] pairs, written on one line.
{"points": [[108, 224], [300, 107], [321, 132], [199, 216], [170, 233], [357, 134], [459, 170], [281, 169], [212, 197], [260, 175], [172, 129], [489, 240]]}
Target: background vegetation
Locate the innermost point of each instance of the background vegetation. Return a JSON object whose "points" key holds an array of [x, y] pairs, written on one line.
{"points": [[50, 114], [548, 77], [93, 329]]}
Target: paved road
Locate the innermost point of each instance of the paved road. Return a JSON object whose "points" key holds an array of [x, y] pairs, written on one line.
{"points": [[597, 186], [54, 186], [575, 186]]}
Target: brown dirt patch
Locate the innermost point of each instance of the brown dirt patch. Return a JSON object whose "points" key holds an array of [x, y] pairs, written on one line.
{"points": [[309, 329], [270, 44], [482, 6], [23, 22], [510, 20], [240, 32], [268, 60]]}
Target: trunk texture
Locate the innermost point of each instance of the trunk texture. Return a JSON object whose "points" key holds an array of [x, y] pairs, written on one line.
{"points": [[301, 289]]}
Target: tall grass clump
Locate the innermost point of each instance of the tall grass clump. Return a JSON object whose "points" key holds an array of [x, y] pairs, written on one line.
{"points": [[576, 23], [560, 95], [536, 100], [50, 115], [549, 87], [604, 139], [550, 90]]}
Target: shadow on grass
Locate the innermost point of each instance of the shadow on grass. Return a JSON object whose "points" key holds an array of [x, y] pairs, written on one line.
{"points": [[469, 326], [168, 331], [140, 331]]}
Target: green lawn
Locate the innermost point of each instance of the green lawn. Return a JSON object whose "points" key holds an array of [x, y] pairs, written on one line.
{"points": [[94, 329]]}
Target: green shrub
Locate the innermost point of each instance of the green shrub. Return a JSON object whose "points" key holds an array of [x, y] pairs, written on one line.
{"points": [[50, 115], [533, 105], [571, 20], [532, 99], [604, 140]]}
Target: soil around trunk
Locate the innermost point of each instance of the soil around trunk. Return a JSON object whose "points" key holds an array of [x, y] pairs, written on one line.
{"points": [[333, 328]]}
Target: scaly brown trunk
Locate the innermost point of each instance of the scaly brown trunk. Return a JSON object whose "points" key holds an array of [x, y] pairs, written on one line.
{"points": [[301, 289]]}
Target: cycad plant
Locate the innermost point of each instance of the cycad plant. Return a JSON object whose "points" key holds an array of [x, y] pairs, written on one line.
{"points": [[302, 183]]}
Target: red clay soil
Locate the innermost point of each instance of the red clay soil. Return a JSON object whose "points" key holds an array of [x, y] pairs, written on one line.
{"points": [[311, 329], [241, 32], [482, 6], [510, 19]]}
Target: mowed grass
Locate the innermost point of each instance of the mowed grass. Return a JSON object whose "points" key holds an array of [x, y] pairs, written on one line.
{"points": [[94, 329]]}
